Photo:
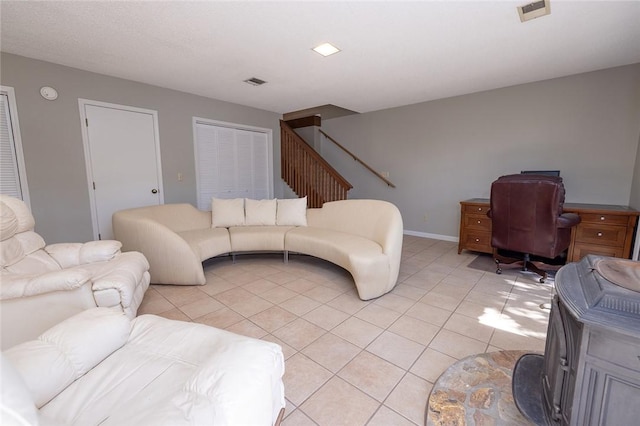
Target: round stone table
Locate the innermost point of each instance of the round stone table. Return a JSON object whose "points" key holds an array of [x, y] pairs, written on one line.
{"points": [[476, 391]]}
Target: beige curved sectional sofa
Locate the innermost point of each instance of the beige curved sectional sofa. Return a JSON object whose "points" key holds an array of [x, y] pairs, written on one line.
{"points": [[362, 236]]}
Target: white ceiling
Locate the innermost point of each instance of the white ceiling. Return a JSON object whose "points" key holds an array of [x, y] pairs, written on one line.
{"points": [[393, 53]]}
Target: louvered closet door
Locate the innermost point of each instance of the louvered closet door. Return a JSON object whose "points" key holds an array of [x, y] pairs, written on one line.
{"points": [[9, 175], [231, 163], [252, 164]]}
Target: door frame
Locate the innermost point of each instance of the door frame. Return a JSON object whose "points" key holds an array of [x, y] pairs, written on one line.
{"points": [[87, 151]]}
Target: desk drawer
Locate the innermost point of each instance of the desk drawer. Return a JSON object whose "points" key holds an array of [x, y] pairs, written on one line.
{"points": [[478, 241], [581, 250], [597, 234], [475, 209], [478, 222], [604, 219]]}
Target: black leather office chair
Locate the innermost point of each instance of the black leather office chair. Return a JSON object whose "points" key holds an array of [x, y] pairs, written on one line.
{"points": [[527, 220]]}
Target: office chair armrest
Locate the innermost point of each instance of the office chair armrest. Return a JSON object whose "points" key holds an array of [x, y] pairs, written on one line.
{"points": [[568, 220]]}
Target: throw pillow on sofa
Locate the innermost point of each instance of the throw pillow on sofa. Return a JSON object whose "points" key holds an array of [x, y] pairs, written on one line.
{"points": [[260, 212], [226, 213], [292, 212]]}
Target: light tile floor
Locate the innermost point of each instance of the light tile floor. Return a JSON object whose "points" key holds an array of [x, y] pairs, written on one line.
{"points": [[355, 362]]}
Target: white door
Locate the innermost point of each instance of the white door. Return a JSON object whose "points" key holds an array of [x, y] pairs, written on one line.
{"points": [[122, 153]]}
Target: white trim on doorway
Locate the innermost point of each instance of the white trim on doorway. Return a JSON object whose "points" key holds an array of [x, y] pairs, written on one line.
{"points": [[636, 249]]}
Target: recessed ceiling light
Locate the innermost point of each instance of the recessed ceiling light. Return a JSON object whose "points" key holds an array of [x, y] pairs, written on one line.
{"points": [[326, 49]]}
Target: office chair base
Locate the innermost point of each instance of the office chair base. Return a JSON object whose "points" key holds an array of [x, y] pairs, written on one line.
{"points": [[527, 265]]}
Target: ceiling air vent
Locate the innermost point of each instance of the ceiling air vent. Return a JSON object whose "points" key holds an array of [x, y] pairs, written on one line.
{"points": [[255, 81], [534, 10]]}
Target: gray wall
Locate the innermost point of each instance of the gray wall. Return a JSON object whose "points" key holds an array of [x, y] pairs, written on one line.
{"points": [[437, 153], [441, 152], [52, 139]]}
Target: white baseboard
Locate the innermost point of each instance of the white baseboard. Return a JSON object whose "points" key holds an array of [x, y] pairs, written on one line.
{"points": [[432, 236]]}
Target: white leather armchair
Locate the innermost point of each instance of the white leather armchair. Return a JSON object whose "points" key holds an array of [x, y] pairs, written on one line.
{"points": [[100, 368], [41, 285]]}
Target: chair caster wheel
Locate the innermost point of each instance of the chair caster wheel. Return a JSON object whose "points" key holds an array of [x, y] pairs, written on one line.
{"points": [[541, 280], [498, 271]]}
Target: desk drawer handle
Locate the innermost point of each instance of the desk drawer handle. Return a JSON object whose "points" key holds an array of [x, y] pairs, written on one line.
{"points": [[601, 217], [599, 234], [477, 240], [478, 221], [479, 209]]}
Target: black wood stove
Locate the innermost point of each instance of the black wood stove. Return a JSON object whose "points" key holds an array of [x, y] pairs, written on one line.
{"points": [[590, 371]]}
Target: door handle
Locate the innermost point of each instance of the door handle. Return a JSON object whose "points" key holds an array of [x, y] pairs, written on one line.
{"points": [[154, 191]]}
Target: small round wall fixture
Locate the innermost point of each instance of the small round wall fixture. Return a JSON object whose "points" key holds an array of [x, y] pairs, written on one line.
{"points": [[49, 93]]}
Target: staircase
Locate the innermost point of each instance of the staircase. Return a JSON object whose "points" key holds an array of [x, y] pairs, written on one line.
{"points": [[307, 173]]}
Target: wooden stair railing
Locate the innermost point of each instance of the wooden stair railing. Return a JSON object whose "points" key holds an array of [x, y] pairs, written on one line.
{"points": [[366, 166], [307, 173]]}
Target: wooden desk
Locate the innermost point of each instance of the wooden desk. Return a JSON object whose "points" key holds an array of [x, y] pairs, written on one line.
{"points": [[604, 230]]}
